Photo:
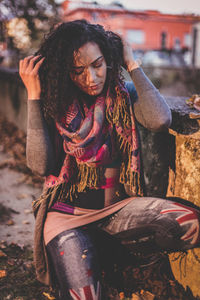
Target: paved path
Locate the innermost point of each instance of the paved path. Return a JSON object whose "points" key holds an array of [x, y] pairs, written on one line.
{"points": [[16, 195]]}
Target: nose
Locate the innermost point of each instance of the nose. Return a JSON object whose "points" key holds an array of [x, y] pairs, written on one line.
{"points": [[91, 75]]}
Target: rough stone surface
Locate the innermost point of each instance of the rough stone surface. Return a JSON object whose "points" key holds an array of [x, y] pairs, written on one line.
{"points": [[181, 120], [155, 161], [184, 179], [184, 182]]}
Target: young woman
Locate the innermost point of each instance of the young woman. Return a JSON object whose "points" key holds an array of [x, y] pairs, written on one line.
{"points": [[82, 136]]}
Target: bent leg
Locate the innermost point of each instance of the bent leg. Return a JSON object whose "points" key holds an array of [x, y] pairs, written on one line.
{"points": [[75, 263], [153, 224]]}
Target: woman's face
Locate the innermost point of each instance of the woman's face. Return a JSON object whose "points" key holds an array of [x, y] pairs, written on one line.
{"points": [[89, 69]]}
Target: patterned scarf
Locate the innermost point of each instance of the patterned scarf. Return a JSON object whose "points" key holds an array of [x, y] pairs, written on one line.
{"points": [[93, 138]]}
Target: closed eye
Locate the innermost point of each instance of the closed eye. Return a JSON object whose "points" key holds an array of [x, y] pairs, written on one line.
{"points": [[78, 71], [98, 63]]}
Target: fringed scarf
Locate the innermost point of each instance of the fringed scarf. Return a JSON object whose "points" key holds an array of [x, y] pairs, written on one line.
{"points": [[93, 138]]}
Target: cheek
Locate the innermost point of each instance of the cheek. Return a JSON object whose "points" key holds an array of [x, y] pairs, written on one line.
{"points": [[103, 73], [78, 80]]}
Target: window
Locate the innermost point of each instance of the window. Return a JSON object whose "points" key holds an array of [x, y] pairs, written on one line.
{"points": [[136, 36], [163, 40], [187, 40], [177, 44], [95, 16]]}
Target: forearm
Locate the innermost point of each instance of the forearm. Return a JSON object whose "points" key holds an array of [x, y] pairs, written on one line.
{"points": [[39, 149], [150, 109]]}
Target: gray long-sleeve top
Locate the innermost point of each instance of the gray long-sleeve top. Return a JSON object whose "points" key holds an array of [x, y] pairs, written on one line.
{"points": [[150, 110]]}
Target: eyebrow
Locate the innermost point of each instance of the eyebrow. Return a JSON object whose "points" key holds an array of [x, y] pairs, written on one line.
{"points": [[80, 67]]}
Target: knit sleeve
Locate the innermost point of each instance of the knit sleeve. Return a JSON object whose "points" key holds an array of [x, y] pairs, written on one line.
{"points": [[39, 148], [150, 107]]}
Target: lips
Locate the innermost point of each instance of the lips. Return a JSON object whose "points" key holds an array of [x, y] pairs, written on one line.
{"points": [[94, 87]]}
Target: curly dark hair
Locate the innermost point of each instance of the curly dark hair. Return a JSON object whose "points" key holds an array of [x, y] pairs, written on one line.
{"points": [[58, 47]]}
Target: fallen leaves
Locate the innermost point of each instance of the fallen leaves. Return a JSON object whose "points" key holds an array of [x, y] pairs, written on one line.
{"points": [[2, 254], [22, 196], [3, 273], [10, 222], [49, 296], [28, 211], [25, 222], [194, 101], [13, 141], [5, 213]]}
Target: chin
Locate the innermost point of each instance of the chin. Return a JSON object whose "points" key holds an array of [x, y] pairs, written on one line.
{"points": [[95, 93]]}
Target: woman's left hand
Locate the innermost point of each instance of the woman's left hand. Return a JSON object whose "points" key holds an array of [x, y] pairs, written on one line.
{"points": [[129, 60]]}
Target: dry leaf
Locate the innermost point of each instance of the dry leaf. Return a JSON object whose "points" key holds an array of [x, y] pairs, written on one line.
{"points": [[22, 196], [49, 296], [135, 297], [10, 222], [194, 101], [2, 254], [25, 222], [2, 245], [2, 273], [147, 295], [27, 211]]}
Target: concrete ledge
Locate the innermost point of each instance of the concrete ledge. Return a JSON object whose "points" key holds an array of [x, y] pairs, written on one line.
{"points": [[185, 120]]}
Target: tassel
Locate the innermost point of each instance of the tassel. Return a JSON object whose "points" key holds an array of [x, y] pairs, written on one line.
{"points": [[89, 177], [120, 114]]}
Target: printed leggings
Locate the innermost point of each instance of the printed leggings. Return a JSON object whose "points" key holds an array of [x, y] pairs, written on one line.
{"points": [[145, 225]]}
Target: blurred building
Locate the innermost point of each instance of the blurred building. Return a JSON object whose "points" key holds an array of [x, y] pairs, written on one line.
{"points": [[145, 30], [196, 45]]}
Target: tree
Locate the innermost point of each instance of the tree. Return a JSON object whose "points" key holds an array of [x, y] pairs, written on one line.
{"points": [[26, 21]]}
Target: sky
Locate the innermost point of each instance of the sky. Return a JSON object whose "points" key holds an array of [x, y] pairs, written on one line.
{"points": [[165, 6]]}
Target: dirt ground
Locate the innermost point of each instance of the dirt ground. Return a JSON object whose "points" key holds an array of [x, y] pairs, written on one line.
{"points": [[18, 187], [16, 226]]}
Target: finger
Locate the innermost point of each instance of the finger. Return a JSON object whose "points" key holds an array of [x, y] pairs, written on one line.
{"points": [[20, 65], [26, 61], [23, 64], [38, 65], [31, 63], [27, 58]]}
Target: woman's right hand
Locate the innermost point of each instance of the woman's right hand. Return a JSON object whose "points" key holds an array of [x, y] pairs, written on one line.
{"points": [[29, 73]]}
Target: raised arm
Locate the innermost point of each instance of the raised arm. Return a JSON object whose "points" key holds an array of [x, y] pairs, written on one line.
{"points": [[39, 148], [150, 107]]}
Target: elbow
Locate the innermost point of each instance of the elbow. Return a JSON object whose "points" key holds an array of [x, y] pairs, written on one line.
{"points": [[39, 170], [163, 123]]}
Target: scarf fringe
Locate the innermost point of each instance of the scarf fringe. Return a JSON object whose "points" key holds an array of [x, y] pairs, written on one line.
{"points": [[120, 111], [58, 192], [132, 179], [91, 177]]}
